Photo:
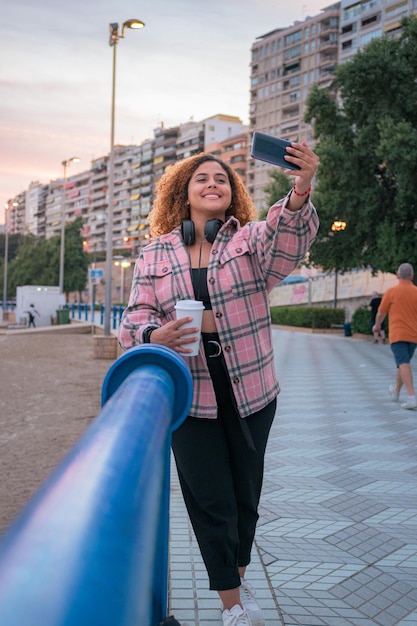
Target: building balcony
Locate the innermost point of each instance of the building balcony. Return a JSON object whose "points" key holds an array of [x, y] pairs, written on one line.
{"points": [[328, 45]]}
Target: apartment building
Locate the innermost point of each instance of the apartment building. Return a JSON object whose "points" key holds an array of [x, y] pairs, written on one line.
{"points": [[221, 128], [233, 151], [95, 226], [137, 169], [86, 194], [285, 64], [51, 217], [141, 195], [190, 140], [360, 22], [16, 214], [35, 205], [123, 159], [165, 147], [64, 201], [151, 159]]}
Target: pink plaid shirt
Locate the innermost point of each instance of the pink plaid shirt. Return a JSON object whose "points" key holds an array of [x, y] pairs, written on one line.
{"points": [[245, 264]]}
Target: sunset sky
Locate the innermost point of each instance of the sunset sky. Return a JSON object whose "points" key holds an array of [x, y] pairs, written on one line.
{"points": [[190, 61]]}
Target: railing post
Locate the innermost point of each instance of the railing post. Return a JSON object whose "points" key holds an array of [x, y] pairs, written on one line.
{"points": [[91, 546]]}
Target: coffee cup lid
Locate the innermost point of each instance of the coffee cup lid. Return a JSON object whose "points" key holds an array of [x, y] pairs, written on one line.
{"points": [[189, 304]]}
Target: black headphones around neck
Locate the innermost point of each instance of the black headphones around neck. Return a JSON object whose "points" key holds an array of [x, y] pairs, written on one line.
{"points": [[211, 228]]}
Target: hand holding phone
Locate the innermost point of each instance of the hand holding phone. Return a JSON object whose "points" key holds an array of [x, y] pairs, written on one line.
{"points": [[271, 149]]}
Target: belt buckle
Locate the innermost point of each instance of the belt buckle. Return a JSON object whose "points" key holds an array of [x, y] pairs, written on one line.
{"points": [[218, 346]]}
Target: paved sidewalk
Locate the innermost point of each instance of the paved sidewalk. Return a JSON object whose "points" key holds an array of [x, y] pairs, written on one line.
{"points": [[336, 543]]}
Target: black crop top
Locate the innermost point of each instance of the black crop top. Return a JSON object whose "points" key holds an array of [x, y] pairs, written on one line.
{"points": [[199, 280]]}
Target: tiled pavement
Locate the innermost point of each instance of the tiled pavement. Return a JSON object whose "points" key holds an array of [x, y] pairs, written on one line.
{"points": [[336, 543]]}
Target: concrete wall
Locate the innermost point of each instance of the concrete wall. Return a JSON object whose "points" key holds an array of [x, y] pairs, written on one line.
{"points": [[349, 291]]}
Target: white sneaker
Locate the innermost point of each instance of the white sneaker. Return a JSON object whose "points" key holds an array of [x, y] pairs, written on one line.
{"points": [[410, 404], [248, 599], [395, 396], [236, 616]]}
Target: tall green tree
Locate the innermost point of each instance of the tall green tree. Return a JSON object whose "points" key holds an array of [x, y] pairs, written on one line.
{"points": [[278, 187], [14, 241], [37, 262], [76, 259], [13, 244], [368, 157]]}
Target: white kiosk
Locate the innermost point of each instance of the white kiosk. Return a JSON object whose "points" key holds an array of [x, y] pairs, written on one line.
{"points": [[47, 300]]}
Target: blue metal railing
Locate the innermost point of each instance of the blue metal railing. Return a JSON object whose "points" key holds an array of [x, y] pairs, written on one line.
{"points": [[92, 546], [83, 311]]}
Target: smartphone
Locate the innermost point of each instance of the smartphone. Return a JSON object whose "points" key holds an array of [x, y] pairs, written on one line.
{"points": [[271, 149]]}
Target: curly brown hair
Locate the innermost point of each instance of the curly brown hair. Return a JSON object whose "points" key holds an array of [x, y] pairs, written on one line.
{"points": [[170, 205]]}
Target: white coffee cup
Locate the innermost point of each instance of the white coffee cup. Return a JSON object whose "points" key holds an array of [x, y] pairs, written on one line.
{"points": [[194, 309]]}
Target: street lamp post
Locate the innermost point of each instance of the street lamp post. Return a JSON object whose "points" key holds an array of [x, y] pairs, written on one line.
{"points": [[65, 164], [113, 41], [123, 266], [6, 250], [337, 226], [6, 254]]}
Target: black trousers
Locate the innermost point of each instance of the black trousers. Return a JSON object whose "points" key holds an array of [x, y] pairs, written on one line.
{"points": [[220, 464]]}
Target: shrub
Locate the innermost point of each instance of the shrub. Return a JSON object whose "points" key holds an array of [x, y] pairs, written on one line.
{"points": [[361, 321], [307, 317]]}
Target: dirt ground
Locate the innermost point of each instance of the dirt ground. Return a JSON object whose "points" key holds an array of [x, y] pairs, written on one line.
{"points": [[50, 389]]}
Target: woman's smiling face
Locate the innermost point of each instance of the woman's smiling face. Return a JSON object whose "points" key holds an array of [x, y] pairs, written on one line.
{"points": [[209, 190]]}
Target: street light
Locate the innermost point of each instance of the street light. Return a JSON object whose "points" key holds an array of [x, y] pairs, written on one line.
{"points": [[123, 265], [338, 225], [6, 250], [65, 164], [113, 41]]}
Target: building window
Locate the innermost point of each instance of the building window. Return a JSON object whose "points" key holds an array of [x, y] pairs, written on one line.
{"points": [[293, 37], [351, 12], [369, 36], [292, 53], [371, 20]]}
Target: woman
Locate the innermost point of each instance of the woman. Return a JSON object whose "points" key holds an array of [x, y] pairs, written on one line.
{"points": [[207, 248], [373, 308]]}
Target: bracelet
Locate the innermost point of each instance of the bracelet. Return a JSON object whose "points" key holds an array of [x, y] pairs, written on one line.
{"points": [[301, 194], [147, 333]]}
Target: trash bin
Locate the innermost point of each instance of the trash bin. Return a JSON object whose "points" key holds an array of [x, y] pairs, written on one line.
{"points": [[348, 329], [62, 316]]}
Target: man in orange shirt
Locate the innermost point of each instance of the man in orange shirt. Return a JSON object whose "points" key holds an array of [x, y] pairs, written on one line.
{"points": [[400, 303]]}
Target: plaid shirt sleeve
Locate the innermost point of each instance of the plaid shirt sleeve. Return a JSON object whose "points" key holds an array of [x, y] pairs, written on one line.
{"points": [[282, 242]]}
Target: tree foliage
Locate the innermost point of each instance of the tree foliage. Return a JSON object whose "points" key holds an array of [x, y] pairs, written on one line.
{"points": [[368, 156], [13, 244], [76, 259], [278, 187], [37, 261]]}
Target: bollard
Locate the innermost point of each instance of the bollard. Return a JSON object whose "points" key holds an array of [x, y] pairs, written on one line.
{"points": [[91, 546]]}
